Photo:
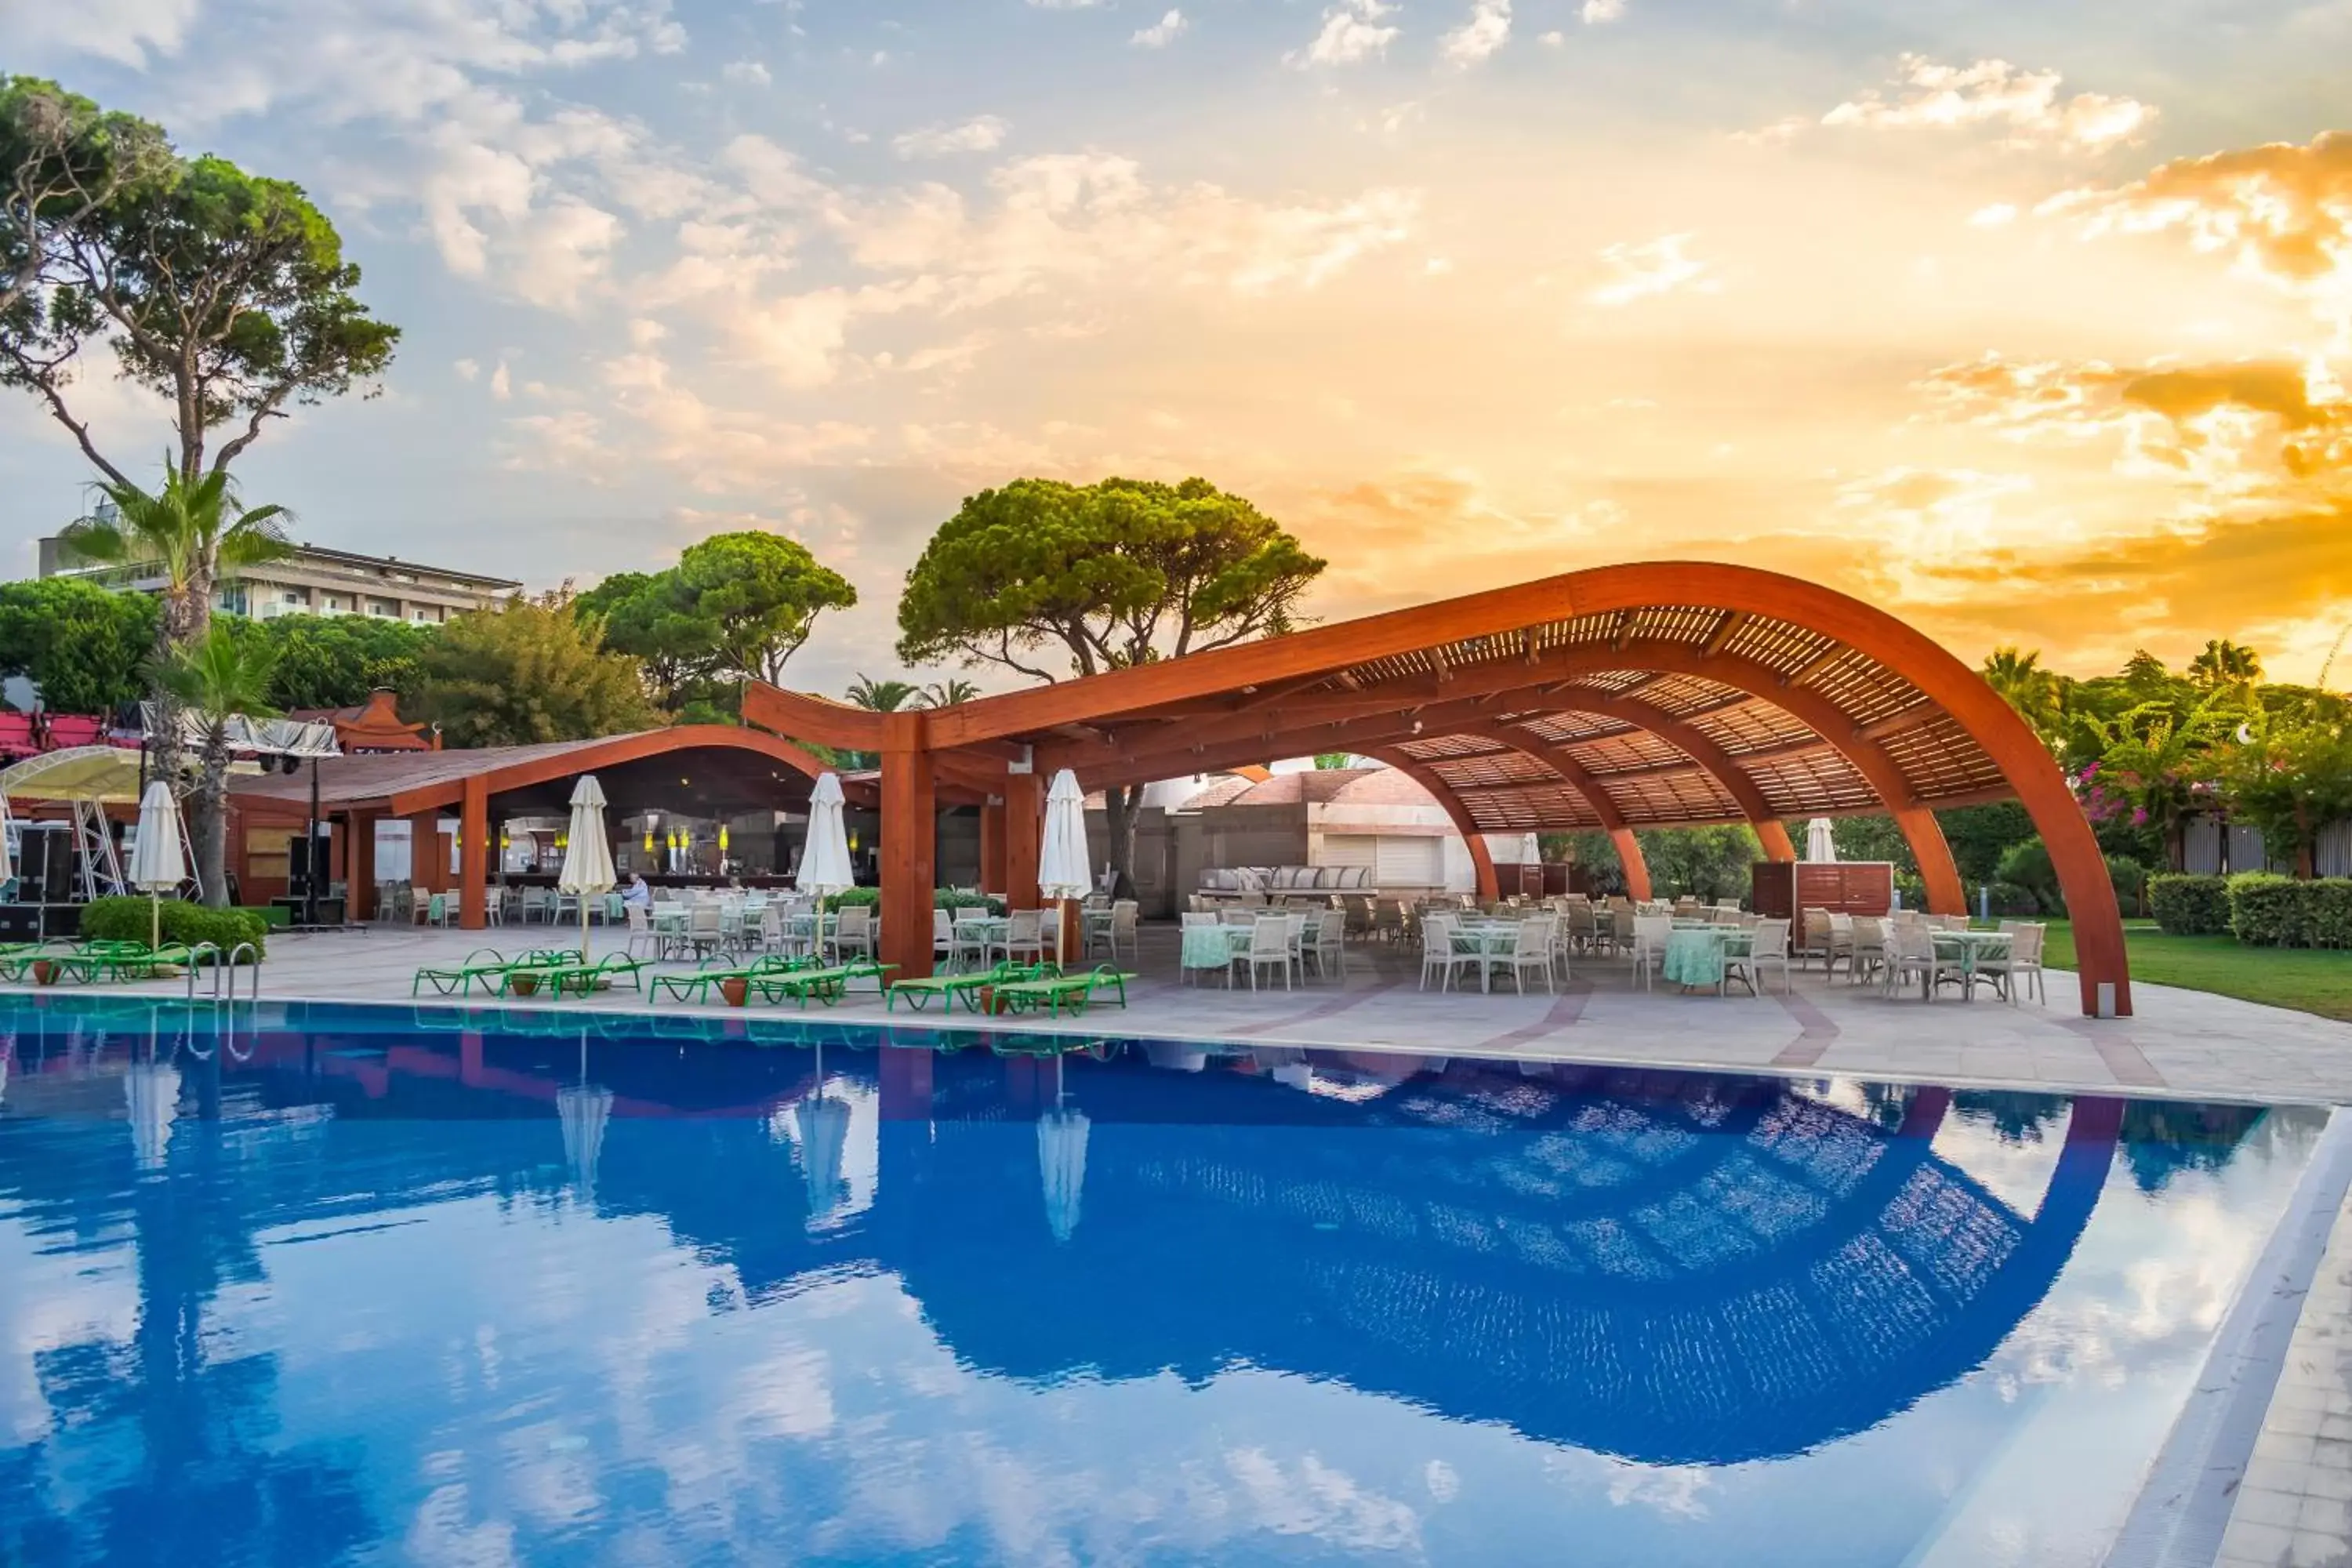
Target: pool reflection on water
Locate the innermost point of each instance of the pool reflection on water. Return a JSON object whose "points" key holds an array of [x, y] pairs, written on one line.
{"points": [[451, 1287]]}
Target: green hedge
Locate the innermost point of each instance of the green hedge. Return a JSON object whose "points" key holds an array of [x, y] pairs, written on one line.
{"points": [[2269, 911], [2190, 906], [133, 920], [871, 899], [2009, 898], [2330, 920]]}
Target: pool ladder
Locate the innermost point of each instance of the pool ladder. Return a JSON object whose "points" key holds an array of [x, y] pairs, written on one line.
{"points": [[224, 967]]}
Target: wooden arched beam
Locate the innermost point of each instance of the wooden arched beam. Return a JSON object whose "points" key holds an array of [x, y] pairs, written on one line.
{"points": [[542, 765], [807, 717], [1710, 758], [1573, 773], [1475, 836]]}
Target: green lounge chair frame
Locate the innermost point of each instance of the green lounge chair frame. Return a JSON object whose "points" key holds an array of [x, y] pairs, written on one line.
{"points": [[578, 979], [949, 987], [1075, 991], [492, 974], [826, 985], [695, 986]]}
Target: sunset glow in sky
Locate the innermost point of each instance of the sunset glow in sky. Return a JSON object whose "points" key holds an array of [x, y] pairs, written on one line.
{"points": [[2032, 323]]}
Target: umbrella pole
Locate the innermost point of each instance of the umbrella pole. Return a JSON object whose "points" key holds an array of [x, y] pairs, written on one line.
{"points": [[584, 928], [154, 920]]}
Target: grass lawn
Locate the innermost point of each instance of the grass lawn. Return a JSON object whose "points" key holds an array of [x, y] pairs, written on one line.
{"points": [[2309, 980]]}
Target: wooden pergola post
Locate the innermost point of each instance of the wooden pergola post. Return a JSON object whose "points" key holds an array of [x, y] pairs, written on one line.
{"points": [[1024, 832], [909, 846], [474, 854]]}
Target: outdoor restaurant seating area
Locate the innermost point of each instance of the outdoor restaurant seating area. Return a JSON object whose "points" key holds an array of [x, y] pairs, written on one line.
{"points": [[1647, 943]]}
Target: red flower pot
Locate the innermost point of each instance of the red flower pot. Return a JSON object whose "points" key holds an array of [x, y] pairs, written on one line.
{"points": [[522, 984], [45, 972], [735, 990]]}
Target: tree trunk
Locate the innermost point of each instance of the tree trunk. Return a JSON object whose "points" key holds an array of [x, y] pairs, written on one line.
{"points": [[211, 825], [1122, 812]]}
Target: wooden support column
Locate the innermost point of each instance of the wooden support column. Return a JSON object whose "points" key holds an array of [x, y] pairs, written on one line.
{"points": [[427, 856], [1025, 833], [1937, 871], [474, 855], [1637, 868], [992, 845], [358, 867], [909, 846]]}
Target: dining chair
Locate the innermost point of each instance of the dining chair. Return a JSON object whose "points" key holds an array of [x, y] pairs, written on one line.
{"points": [[1271, 941], [1649, 938]]}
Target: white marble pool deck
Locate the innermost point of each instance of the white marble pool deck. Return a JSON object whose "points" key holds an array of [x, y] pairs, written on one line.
{"points": [[2180, 1044]]}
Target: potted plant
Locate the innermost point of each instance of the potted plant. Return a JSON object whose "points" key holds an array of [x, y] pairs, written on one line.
{"points": [[522, 984], [735, 988], [45, 970]]}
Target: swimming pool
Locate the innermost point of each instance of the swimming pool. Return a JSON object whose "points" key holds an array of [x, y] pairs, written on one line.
{"points": [[376, 1285]]}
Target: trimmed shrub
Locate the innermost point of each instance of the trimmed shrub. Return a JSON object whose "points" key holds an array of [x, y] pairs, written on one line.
{"points": [[2009, 898], [871, 898], [2190, 905], [2267, 909], [133, 920], [2329, 905], [2027, 865], [2129, 878]]}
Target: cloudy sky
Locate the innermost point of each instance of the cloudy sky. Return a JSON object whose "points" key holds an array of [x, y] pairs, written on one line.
{"points": [[2031, 321]]}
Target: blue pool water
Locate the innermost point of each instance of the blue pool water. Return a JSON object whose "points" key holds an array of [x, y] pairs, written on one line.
{"points": [[376, 1286]]}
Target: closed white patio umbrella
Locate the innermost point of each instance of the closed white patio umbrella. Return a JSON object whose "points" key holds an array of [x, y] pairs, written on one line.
{"points": [[1820, 844], [821, 1126], [1062, 871], [151, 1092], [1062, 1161], [587, 853], [583, 1109], [824, 860], [159, 860]]}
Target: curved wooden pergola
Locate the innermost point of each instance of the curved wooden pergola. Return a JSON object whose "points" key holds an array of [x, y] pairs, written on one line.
{"points": [[1656, 695]]}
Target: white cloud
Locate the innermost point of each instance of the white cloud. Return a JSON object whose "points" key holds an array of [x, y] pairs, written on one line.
{"points": [[2026, 105], [1352, 33], [126, 32], [1161, 33], [467, 369], [1553, 39], [1993, 216], [1653, 267], [501, 384], [751, 73], [1597, 12], [1487, 30], [981, 134]]}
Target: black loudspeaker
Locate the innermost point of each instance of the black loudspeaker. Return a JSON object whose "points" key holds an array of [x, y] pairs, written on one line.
{"points": [[45, 868], [299, 857]]}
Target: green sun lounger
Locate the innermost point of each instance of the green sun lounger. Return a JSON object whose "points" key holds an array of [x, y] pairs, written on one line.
{"points": [[826, 985], [919, 992], [578, 979], [696, 985], [488, 966], [1072, 991]]}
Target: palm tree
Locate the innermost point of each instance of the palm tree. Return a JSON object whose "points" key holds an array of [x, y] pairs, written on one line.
{"points": [[948, 693], [880, 696], [188, 533], [2038, 694], [2226, 663], [215, 679]]}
